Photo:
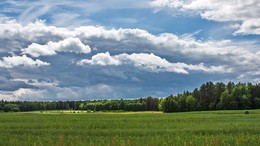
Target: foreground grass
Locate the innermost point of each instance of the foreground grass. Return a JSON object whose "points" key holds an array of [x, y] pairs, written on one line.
{"points": [[190, 128]]}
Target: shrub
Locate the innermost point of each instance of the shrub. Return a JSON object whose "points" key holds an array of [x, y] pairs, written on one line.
{"points": [[246, 112]]}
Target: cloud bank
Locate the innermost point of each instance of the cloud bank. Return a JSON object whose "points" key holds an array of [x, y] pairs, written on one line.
{"points": [[245, 13], [45, 62], [148, 62]]}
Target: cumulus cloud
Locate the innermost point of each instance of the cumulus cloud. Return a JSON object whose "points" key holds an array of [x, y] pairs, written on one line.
{"points": [[251, 26], [67, 45], [247, 13], [148, 62], [100, 59], [14, 61], [160, 4], [32, 32]]}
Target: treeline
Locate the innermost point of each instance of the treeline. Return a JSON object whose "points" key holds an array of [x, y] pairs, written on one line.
{"points": [[212, 96], [146, 104], [209, 96]]}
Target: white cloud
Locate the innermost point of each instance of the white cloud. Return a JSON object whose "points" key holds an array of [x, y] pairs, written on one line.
{"points": [[53, 92], [38, 83], [251, 26], [246, 12], [67, 45], [141, 41], [149, 62], [31, 93], [89, 32], [23, 94], [221, 10], [32, 32], [210, 69], [100, 59], [160, 4], [14, 61]]}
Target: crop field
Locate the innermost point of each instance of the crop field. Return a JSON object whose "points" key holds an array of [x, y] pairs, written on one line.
{"points": [[129, 129]]}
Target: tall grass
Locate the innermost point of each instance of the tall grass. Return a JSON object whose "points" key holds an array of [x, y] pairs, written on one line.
{"points": [[190, 128]]}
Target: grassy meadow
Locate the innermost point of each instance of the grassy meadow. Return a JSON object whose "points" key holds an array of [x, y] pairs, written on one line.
{"points": [[130, 128]]}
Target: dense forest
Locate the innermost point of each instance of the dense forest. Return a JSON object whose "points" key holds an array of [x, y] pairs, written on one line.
{"points": [[209, 96], [146, 104]]}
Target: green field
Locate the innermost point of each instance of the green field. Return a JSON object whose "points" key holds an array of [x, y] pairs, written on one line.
{"points": [[190, 128]]}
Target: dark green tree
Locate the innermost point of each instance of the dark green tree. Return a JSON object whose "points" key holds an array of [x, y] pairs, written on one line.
{"points": [[11, 108]]}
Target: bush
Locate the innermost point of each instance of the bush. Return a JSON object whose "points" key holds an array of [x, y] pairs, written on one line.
{"points": [[246, 112]]}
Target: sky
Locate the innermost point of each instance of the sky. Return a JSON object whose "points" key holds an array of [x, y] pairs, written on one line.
{"points": [[124, 49]]}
